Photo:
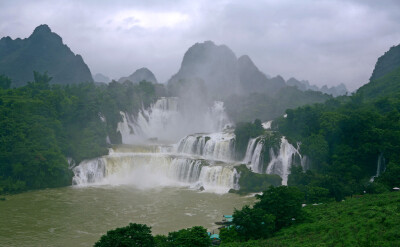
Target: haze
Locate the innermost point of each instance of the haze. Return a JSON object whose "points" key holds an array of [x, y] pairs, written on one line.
{"points": [[325, 42]]}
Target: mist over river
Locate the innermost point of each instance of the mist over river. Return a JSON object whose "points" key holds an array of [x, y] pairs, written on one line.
{"points": [[75, 216]]}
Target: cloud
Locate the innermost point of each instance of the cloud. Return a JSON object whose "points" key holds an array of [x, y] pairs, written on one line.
{"points": [[325, 42]]}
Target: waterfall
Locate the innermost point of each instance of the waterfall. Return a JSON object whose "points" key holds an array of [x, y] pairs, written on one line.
{"points": [[280, 163], [215, 146], [253, 157], [155, 169], [256, 159], [165, 121], [250, 150], [380, 167]]}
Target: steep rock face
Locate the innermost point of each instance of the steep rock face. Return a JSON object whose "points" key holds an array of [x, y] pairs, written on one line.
{"points": [[215, 65], [253, 80], [387, 63], [42, 51], [143, 74]]}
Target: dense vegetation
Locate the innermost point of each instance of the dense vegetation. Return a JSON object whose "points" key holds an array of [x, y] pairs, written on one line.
{"points": [[387, 63], [343, 140], [369, 220], [140, 235], [43, 124], [251, 182]]}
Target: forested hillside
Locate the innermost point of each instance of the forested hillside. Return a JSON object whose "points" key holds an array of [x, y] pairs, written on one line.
{"points": [[43, 125], [349, 140]]}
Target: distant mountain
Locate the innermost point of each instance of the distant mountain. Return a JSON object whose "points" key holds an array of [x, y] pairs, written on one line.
{"points": [[335, 91], [387, 63], [305, 85], [42, 51], [253, 80], [101, 78], [143, 74], [301, 85], [215, 65], [222, 72]]}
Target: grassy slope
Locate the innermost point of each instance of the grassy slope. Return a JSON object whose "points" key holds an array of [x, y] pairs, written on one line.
{"points": [[371, 220]]}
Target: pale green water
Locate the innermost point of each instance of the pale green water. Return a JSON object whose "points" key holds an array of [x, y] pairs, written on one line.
{"points": [[79, 216]]}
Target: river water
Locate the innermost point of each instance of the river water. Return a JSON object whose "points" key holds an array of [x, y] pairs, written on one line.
{"points": [[78, 216]]}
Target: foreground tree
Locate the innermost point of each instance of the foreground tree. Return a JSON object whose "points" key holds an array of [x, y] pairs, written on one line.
{"points": [[132, 235], [283, 202], [253, 223], [195, 236]]}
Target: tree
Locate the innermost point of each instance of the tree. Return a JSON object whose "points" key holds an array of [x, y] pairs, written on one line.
{"points": [[132, 235], [283, 202], [253, 223], [195, 236]]}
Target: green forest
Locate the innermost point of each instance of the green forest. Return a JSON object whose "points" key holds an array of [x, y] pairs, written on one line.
{"points": [[44, 124]]}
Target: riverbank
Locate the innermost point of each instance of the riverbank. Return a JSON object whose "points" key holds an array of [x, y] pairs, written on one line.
{"points": [[368, 220]]}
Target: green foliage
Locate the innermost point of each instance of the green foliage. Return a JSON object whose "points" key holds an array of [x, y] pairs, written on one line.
{"points": [[276, 208], [140, 235], [283, 202], [132, 235], [253, 223], [243, 133], [391, 177], [195, 236], [387, 63], [343, 139], [369, 220], [42, 124], [229, 234], [255, 182]]}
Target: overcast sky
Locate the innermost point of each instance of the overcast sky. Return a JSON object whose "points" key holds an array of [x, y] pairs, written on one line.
{"points": [[325, 41]]}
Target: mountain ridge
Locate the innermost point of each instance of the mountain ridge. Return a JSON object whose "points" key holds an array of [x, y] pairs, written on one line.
{"points": [[142, 74], [42, 51]]}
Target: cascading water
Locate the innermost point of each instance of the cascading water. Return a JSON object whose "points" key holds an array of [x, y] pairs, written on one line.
{"points": [[380, 167], [250, 150], [152, 169], [165, 121], [215, 146], [280, 161], [253, 157]]}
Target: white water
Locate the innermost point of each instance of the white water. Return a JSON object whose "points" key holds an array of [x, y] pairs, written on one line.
{"points": [[267, 125], [380, 167], [250, 150], [256, 159], [279, 162], [164, 121], [215, 146], [155, 169]]}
